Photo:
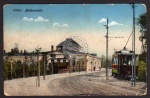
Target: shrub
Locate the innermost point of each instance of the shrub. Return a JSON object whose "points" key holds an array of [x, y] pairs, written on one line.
{"points": [[142, 71]]}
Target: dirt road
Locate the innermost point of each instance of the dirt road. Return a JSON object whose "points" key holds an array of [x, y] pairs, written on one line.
{"points": [[88, 84]]}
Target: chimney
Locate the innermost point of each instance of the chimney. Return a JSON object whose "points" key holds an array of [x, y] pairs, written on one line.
{"points": [[52, 48]]}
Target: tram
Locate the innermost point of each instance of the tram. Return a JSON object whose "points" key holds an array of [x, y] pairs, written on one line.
{"points": [[122, 64]]}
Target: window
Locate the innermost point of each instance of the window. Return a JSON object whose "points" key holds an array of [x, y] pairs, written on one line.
{"points": [[115, 60]]}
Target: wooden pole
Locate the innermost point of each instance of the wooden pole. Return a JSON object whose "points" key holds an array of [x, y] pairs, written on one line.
{"points": [[38, 70], [11, 68], [107, 51], [52, 67], [44, 68]]}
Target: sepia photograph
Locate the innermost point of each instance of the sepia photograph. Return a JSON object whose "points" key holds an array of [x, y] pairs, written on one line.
{"points": [[75, 49]]}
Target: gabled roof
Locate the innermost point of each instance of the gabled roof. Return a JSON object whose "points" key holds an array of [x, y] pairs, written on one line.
{"points": [[69, 40]]}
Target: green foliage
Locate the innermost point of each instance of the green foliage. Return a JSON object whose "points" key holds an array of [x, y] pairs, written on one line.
{"points": [[17, 69], [33, 70], [141, 21], [142, 57], [6, 70], [103, 61], [142, 71]]}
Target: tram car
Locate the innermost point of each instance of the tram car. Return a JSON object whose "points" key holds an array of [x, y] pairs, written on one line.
{"points": [[122, 64]]}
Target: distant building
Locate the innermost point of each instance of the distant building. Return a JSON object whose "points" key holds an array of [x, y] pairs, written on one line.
{"points": [[77, 62]]}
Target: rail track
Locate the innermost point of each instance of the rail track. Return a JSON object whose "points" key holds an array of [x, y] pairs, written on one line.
{"points": [[91, 85]]}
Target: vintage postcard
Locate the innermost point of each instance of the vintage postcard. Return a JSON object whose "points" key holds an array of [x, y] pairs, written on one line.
{"points": [[75, 49]]}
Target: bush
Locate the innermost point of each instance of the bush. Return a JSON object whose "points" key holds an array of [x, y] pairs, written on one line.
{"points": [[142, 71]]}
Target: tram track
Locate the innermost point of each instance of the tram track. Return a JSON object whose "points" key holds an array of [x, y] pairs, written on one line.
{"points": [[92, 84], [75, 84]]}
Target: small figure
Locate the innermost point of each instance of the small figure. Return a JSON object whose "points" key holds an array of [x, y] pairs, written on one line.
{"points": [[94, 68]]}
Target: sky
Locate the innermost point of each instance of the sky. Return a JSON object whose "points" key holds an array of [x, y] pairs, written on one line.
{"points": [[53, 23]]}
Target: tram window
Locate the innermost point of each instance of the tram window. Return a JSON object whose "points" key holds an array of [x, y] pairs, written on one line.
{"points": [[130, 60], [115, 60], [124, 60]]}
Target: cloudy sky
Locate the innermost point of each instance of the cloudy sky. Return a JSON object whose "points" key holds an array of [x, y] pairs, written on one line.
{"points": [[55, 22]]}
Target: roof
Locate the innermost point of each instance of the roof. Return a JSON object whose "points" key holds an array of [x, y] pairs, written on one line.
{"points": [[123, 52], [70, 40]]}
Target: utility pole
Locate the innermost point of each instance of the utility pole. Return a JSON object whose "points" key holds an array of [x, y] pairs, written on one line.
{"points": [[44, 58], [58, 62], [38, 77], [133, 49], [11, 67], [107, 50], [23, 68]]}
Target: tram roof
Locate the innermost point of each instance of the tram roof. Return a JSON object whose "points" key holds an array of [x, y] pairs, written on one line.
{"points": [[123, 52]]}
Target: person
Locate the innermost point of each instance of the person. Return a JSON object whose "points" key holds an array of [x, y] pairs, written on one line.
{"points": [[94, 68], [100, 68]]}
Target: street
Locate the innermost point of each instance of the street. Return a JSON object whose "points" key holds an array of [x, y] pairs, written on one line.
{"points": [[74, 84]]}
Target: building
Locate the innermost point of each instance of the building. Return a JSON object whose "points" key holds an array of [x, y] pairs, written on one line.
{"points": [[56, 60], [78, 61]]}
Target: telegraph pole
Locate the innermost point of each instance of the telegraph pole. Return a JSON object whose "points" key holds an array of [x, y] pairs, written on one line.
{"points": [[44, 58], [133, 49], [107, 50], [11, 67], [38, 77]]}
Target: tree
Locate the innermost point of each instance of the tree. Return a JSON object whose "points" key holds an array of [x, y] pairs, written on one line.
{"points": [[14, 50], [7, 74], [103, 61], [141, 21]]}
